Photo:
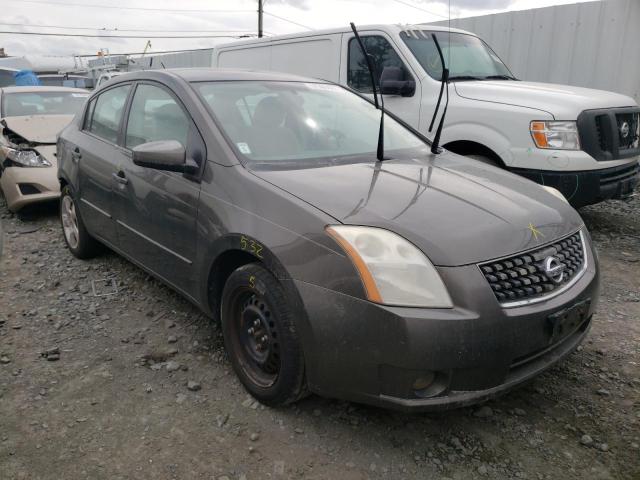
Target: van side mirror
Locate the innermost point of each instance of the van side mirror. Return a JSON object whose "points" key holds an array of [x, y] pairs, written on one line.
{"points": [[167, 155], [392, 83]]}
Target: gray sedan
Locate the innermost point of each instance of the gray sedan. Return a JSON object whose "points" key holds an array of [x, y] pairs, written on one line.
{"points": [[418, 282]]}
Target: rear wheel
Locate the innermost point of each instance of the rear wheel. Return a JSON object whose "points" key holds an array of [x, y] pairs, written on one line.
{"points": [[80, 243], [260, 336]]}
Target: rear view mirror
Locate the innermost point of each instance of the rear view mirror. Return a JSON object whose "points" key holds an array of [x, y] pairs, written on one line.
{"points": [[392, 82], [167, 155]]}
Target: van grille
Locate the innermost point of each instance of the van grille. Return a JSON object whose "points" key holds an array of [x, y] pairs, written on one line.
{"points": [[628, 130], [522, 278], [610, 133]]}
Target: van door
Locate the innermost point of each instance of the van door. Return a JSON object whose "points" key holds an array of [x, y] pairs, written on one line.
{"points": [[355, 74]]}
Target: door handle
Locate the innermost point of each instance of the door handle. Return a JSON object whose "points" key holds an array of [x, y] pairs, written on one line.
{"points": [[120, 178], [76, 155]]}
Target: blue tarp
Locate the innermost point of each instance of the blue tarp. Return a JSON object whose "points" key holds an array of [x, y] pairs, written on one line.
{"points": [[26, 78]]}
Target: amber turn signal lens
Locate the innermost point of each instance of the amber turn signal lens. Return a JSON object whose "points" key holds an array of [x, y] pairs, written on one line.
{"points": [[371, 289], [538, 130]]}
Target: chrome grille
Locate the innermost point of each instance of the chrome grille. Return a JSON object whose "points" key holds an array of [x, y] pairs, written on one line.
{"points": [[522, 278]]}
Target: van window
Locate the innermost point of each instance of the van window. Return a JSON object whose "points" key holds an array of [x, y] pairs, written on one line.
{"points": [[155, 115], [383, 54], [105, 121]]}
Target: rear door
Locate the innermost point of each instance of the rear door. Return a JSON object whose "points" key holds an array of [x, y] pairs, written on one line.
{"points": [[155, 210], [355, 74], [98, 156]]}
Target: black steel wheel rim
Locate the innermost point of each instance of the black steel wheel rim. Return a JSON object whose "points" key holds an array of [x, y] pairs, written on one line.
{"points": [[255, 337]]}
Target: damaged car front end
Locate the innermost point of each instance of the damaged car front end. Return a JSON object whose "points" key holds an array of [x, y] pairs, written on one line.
{"points": [[31, 119]]}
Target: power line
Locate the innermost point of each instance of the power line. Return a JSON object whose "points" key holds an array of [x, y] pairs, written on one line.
{"points": [[84, 5], [290, 21], [103, 29], [118, 36], [419, 8]]}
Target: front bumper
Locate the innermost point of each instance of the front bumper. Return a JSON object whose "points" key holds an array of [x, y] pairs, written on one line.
{"points": [[587, 187], [356, 350], [24, 186]]}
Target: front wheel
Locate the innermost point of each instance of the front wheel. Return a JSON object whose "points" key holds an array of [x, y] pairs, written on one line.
{"points": [[260, 336], [80, 243]]}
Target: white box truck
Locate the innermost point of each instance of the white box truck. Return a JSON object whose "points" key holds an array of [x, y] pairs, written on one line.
{"points": [[584, 142]]}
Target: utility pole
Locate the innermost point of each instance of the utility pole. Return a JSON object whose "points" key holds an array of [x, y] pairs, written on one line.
{"points": [[259, 18]]}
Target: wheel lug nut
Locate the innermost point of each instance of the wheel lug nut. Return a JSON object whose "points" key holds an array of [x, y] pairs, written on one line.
{"points": [[256, 323], [250, 331], [264, 338]]}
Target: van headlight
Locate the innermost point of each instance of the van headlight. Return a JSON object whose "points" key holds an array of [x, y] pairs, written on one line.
{"points": [[25, 158], [555, 192], [393, 271], [555, 135]]}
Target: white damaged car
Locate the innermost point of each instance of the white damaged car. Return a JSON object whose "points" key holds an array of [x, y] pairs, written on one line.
{"points": [[30, 119]]}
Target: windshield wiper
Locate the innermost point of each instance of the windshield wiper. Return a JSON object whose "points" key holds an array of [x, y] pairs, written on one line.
{"points": [[500, 77], [465, 77], [368, 57]]}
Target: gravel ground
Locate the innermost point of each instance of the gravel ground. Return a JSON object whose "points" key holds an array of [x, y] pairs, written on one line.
{"points": [[136, 385]]}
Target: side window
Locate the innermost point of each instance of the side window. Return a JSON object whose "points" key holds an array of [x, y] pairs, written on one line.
{"points": [[87, 119], [107, 113], [383, 55], [155, 115]]}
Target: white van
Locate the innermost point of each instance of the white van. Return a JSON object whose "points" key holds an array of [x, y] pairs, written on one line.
{"points": [[584, 142]]}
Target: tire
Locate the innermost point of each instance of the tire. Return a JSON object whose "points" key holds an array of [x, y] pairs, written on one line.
{"points": [[484, 159], [80, 243], [261, 338]]}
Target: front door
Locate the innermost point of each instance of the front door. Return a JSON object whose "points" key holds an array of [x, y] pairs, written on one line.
{"points": [[97, 154], [355, 72], [156, 211]]}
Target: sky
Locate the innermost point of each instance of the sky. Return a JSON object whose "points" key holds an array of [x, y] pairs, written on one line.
{"points": [[149, 18]]}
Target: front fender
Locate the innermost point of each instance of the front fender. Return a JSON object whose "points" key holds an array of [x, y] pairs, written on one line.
{"points": [[480, 133]]}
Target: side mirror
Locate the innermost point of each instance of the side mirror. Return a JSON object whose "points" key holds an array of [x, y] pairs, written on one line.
{"points": [[392, 83], [167, 155]]}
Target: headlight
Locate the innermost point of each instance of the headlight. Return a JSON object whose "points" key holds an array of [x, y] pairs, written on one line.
{"points": [[393, 271], [25, 158], [555, 191], [555, 135]]}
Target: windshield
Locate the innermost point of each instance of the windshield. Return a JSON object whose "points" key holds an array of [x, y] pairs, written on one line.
{"points": [[280, 121], [468, 57], [42, 103]]}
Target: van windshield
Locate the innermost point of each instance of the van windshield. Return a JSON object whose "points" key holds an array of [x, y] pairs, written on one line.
{"points": [[468, 57], [280, 121]]}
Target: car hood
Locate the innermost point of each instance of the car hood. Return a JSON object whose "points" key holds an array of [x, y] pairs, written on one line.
{"points": [[457, 211], [38, 128], [563, 102]]}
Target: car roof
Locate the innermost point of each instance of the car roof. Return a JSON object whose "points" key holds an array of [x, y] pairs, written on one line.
{"points": [[213, 75], [37, 89], [362, 29]]}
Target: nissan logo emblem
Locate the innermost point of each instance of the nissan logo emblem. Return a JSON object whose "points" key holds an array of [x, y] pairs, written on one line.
{"points": [[554, 269], [625, 129]]}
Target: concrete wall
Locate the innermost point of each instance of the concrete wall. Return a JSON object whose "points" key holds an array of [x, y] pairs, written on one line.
{"points": [[593, 44]]}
